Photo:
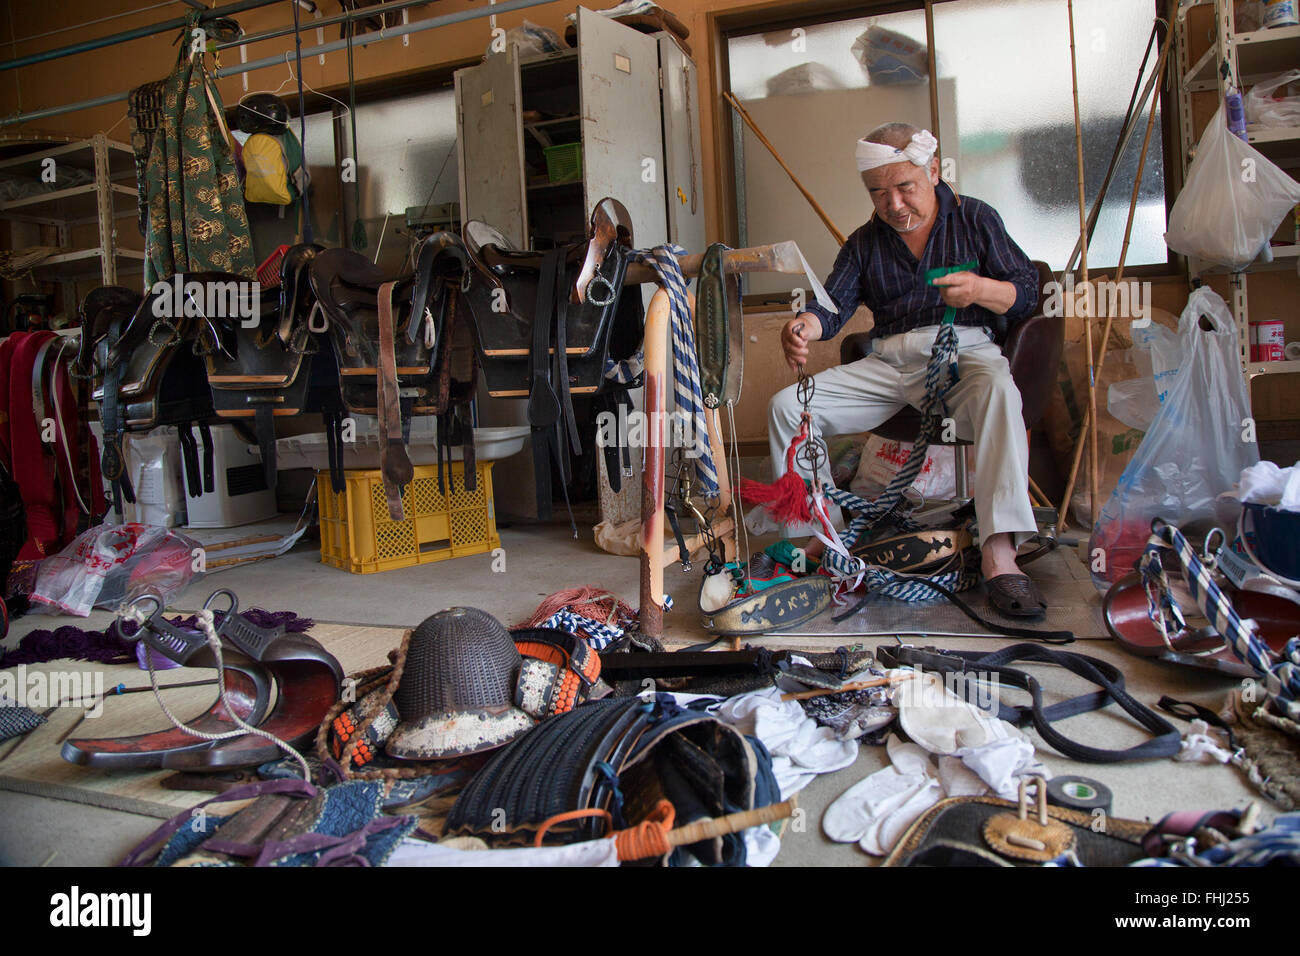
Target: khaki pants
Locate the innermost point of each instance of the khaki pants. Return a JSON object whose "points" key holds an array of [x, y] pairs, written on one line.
{"points": [[984, 403]]}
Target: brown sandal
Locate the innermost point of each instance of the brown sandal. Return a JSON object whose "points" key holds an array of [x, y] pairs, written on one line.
{"points": [[1014, 595]]}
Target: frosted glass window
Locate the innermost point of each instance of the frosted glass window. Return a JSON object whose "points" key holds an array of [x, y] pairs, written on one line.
{"points": [[1015, 119], [1007, 123]]}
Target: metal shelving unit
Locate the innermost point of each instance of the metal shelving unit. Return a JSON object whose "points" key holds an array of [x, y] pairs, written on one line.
{"points": [[109, 197], [1245, 59]]}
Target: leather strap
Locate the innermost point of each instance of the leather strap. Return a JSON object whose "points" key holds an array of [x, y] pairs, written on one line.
{"points": [[264, 423], [715, 330], [210, 457], [543, 405], [334, 447], [562, 357], [394, 462], [1165, 741], [113, 459], [190, 454], [670, 512]]}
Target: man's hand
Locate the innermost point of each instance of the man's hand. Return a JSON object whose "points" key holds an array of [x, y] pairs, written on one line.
{"points": [[960, 289], [795, 336]]}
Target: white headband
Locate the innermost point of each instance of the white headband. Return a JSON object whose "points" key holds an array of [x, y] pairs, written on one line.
{"points": [[919, 152]]}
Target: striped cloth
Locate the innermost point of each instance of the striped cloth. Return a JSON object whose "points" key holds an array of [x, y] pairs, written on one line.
{"points": [[596, 633], [940, 374], [686, 368], [1280, 673], [1278, 845]]}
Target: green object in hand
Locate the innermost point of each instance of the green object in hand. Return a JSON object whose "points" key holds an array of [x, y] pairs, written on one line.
{"points": [[931, 274]]}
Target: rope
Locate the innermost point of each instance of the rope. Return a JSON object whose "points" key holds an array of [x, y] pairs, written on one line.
{"points": [[647, 840], [1280, 673], [940, 374], [206, 625]]}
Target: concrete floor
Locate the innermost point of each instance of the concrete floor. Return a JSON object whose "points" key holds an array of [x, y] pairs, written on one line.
{"points": [[544, 559]]}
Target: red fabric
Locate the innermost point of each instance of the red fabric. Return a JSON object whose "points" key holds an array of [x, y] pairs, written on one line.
{"points": [[786, 499], [41, 468]]}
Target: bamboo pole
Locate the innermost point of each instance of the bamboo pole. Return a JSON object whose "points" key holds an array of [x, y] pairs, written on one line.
{"points": [[934, 80], [749, 121], [731, 823], [1063, 513], [1083, 264]]}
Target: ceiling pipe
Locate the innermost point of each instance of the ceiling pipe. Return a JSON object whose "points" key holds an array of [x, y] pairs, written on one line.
{"points": [[388, 34], [125, 36]]}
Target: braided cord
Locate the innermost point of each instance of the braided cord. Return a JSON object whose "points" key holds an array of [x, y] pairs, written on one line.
{"points": [[1280, 673]]}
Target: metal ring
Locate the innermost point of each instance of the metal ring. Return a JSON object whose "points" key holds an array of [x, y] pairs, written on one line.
{"points": [[234, 601], [163, 323], [466, 280], [805, 390], [609, 286], [813, 454]]}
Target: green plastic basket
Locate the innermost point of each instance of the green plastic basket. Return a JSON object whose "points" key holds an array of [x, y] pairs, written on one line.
{"points": [[564, 163]]}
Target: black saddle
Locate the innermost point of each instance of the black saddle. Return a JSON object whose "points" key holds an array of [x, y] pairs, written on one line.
{"points": [[145, 357], [547, 322], [258, 361], [401, 348]]}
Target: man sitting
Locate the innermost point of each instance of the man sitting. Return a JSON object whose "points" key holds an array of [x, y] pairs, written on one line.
{"points": [[921, 224]]}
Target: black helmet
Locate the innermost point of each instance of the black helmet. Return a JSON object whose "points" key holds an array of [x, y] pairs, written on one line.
{"points": [[262, 113]]}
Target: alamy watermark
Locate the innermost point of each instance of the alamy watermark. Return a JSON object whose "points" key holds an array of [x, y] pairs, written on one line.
{"points": [[40, 690], [178, 297], [636, 429], [1097, 298]]}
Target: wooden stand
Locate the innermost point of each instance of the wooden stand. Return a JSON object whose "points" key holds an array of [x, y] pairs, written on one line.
{"points": [[656, 553]]}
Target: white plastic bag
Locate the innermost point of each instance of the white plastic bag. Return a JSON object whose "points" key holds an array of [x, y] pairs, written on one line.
{"points": [[112, 565], [1233, 201], [881, 459], [1194, 450], [1264, 109]]}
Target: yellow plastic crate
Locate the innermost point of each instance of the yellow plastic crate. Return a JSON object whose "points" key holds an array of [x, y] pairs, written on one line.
{"points": [[357, 535]]}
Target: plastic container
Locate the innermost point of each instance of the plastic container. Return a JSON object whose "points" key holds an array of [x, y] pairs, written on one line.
{"points": [[564, 163], [1274, 537], [1280, 13], [357, 535], [1236, 109]]}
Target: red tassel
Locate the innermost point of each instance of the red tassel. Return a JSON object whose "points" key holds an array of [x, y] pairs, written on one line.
{"points": [[786, 499]]}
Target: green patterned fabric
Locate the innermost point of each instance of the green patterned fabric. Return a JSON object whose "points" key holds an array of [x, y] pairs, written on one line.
{"points": [[197, 220]]}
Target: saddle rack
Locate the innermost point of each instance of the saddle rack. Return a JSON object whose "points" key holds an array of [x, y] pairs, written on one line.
{"points": [[782, 257]]}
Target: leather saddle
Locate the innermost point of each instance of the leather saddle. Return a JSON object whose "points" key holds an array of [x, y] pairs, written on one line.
{"points": [[402, 348], [144, 354], [546, 324], [258, 362], [258, 664]]}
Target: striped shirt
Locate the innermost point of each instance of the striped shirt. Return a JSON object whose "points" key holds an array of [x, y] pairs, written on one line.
{"points": [[876, 269]]}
